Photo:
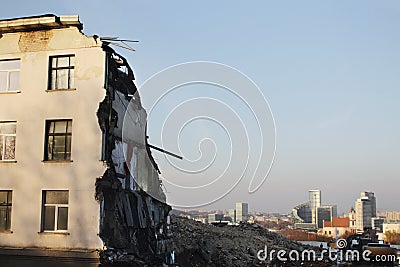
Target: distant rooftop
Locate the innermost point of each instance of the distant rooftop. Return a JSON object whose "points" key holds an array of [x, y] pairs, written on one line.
{"points": [[338, 222], [42, 22]]}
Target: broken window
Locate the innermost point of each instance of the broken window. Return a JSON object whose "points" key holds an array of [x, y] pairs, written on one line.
{"points": [[9, 75], [58, 140], [55, 210], [7, 140], [5, 210], [62, 72]]}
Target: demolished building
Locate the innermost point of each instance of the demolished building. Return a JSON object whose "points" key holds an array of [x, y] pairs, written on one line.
{"points": [[73, 177]]}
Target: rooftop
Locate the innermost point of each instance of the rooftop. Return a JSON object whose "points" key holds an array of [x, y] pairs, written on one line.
{"points": [[338, 222], [41, 22]]}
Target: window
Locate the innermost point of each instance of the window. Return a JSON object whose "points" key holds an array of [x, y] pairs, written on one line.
{"points": [[55, 210], [61, 72], [58, 140], [7, 141], [9, 75], [5, 210]]}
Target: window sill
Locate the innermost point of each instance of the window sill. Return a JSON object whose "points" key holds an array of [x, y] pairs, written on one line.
{"points": [[8, 161], [6, 232], [53, 233], [9, 92], [58, 161], [61, 90]]}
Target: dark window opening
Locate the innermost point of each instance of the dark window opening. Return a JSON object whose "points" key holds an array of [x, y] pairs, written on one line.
{"points": [[58, 140], [61, 72], [5, 210], [55, 210]]}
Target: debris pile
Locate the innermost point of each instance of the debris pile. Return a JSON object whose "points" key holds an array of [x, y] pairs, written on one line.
{"points": [[198, 244]]}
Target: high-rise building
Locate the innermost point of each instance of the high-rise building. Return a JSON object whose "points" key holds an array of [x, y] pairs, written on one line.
{"points": [[324, 214], [365, 210], [314, 198], [302, 213], [377, 223], [232, 215], [242, 210]]}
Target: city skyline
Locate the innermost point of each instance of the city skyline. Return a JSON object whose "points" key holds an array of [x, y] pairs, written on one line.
{"points": [[329, 71]]}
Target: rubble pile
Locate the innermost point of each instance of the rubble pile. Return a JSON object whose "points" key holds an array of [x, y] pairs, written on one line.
{"points": [[198, 244]]}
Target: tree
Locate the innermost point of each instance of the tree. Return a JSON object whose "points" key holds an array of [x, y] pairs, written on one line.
{"points": [[392, 237]]}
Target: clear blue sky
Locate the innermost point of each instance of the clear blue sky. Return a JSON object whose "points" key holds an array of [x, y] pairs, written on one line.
{"points": [[329, 69]]}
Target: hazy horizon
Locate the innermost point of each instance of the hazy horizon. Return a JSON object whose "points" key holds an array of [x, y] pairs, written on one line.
{"points": [[330, 72]]}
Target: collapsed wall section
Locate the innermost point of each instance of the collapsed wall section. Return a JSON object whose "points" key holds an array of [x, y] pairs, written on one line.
{"points": [[134, 218]]}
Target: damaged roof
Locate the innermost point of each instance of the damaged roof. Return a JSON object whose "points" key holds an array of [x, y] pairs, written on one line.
{"points": [[41, 22]]}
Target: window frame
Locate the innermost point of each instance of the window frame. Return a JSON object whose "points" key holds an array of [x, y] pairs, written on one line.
{"points": [[3, 138], [56, 69], [9, 71], [56, 207], [8, 206], [66, 134]]}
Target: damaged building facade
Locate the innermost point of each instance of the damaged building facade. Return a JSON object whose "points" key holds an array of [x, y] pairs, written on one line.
{"points": [[72, 178]]}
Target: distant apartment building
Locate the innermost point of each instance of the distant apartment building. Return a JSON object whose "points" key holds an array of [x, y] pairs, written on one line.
{"points": [[69, 181], [232, 215], [324, 214], [302, 213], [365, 210], [377, 223], [215, 217], [395, 227], [242, 211], [306, 212], [392, 216], [314, 197]]}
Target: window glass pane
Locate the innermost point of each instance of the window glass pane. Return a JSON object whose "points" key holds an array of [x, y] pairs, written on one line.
{"points": [[71, 79], [72, 61], [62, 221], [9, 197], [53, 80], [50, 148], [9, 64], [68, 146], [3, 197], [59, 147], [69, 126], [8, 127], [61, 126], [54, 62], [14, 81], [2, 139], [56, 197], [3, 218], [51, 126], [10, 148], [3, 81], [8, 218], [49, 218], [62, 79], [63, 62]]}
